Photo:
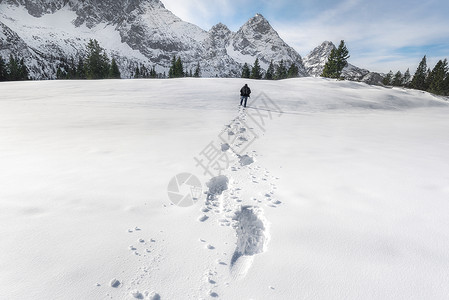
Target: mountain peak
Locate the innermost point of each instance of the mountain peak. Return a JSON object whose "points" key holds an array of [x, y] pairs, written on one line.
{"points": [[258, 18], [219, 27], [326, 44], [315, 60], [258, 24]]}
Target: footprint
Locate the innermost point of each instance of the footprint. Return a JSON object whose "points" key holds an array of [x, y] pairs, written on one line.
{"points": [[203, 218], [136, 294], [217, 185], [213, 294], [114, 283], [252, 239], [153, 296], [225, 147]]}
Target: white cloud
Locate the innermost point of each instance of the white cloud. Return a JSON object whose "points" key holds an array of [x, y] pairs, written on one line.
{"points": [[374, 37]]}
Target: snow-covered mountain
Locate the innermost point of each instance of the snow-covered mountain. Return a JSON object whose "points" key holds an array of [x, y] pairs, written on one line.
{"points": [[258, 39], [138, 31], [314, 63], [134, 32]]}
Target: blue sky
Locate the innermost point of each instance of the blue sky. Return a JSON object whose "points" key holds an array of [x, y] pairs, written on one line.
{"points": [[380, 34]]}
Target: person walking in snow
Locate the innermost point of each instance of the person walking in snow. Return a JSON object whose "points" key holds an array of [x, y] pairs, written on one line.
{"points": [[244, 94]]}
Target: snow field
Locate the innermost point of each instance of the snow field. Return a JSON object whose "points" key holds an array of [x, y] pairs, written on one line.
{"points": [[343, 195]]}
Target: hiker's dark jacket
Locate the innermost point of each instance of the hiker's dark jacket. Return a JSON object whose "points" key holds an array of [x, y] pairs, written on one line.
{"points": [[245, 91]]}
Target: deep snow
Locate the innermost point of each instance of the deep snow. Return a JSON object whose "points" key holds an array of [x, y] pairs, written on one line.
{"points": [[343, 195]]}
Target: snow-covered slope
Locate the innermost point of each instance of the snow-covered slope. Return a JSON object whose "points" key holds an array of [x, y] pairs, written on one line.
{"points": [[339, 191], [314, 63], [134, 32]]}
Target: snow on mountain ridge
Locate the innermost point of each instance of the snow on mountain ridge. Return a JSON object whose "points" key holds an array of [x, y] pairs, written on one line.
{"points": [[139, 32], [148, 34]]}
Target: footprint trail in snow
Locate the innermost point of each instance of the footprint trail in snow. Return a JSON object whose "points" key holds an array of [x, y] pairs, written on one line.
{"points": [[236, 200]]}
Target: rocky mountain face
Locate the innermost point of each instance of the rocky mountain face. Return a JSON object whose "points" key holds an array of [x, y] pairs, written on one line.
{"points": [[141, 32], [257, 38], [314, 63]]}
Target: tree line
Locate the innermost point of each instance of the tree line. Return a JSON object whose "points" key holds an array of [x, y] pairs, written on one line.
{"points": [[435, 81], [177, 69], [333, 68], [94, 65], [280, 72], [13, 70]]}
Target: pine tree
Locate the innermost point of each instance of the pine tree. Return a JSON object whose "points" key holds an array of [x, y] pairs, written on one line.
{"points": [[72, 71], [270, 72], [281, 71], [80, 70], [397, 79], [293, 71], [438, 76], [171, 72], [137, 72], [330, 68], [3, 70], [337, 61], [255, 71], [388, 79], [179, 69], [419, 79], [446, 85], [13, 69], [342, 58], [153, 73], [197, 72], [143, 72], [60, 73], [406, 78], [176, 69], [114, 72], [23, 70], [429, 79], [246, 73], [97, 62]]}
